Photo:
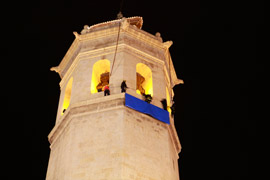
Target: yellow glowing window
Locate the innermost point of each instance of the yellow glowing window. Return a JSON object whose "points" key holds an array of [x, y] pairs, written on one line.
{"points": [[100, 75], [144, 79], [67, 95], [168, 100]]}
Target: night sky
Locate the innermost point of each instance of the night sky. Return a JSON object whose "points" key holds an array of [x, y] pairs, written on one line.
{"points": [[218, 50]]}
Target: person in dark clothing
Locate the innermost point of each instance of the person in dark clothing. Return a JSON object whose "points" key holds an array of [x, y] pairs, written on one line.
{"points": [[123, 86], [106, 90], [173, 109], [148, 98], [164, 104]]}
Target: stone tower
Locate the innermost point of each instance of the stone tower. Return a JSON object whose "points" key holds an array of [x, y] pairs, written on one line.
{"points": [[119, 136]]}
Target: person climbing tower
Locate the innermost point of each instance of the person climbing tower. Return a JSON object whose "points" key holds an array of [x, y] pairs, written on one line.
{"points": [[106, 90], [147, 98], [123, 86], [164, 104]]}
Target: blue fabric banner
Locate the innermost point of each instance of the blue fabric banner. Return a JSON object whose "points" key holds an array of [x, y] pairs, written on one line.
{"points": [[144, 107]]}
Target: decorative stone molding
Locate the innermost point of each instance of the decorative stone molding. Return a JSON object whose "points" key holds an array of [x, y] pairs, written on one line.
{"points": [[76, 35], [98, 105], [136, 20], [56, 69], [167, 44], [124, 24], [158, 35], [89, 106], [85, 29]]}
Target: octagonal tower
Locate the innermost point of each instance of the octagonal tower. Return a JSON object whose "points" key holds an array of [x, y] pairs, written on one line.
{"points": [[119, 136]]}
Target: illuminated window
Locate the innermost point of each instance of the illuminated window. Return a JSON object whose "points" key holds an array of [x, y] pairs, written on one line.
{"points": [[67, 96], [144, 79], [100, 75], [168, 100]]}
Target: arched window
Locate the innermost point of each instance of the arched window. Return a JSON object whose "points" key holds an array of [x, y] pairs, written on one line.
{"points": [[144, 79], [100, 75], [67, 96], [168, 98]]}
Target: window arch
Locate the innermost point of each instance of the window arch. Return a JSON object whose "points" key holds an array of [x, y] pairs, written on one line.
{"points": [[67, 95], [100, 75], [144, 79]]}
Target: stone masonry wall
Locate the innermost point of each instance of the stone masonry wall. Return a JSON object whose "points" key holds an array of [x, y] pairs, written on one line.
{"points": [[108, 141]]}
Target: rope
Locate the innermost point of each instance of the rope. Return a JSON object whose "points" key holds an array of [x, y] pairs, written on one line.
{"points": [[119, 16], [121, 5], [116, 46]]}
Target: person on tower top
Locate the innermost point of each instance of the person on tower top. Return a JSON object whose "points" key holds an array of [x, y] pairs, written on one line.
{"points": [[147, 97], [173, 109], [106, 90], [164, 104], [123, 86]]}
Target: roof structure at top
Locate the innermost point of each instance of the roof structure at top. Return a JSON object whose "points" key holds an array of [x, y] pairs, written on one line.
{"points": [[135, 20], [131, 27]]}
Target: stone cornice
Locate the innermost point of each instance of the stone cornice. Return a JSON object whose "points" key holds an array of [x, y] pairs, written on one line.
{"points": [[98, 105], [145, 37], [135, 20], [85, 107]]}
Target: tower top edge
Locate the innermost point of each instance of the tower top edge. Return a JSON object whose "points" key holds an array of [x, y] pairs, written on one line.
{"points": [[135, 20]]}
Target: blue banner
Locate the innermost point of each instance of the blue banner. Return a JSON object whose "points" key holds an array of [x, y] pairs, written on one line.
{"points": [[144, 107]]}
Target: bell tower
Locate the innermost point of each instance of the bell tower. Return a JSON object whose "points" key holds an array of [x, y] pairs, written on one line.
{"points": [[119, 136]]}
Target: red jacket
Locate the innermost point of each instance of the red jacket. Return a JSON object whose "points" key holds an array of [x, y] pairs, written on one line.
{"points": [[106, 88]]}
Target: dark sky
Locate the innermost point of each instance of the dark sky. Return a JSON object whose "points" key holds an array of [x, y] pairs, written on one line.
{"points": [[218, 51]]}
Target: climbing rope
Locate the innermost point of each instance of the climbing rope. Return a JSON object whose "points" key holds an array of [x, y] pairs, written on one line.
{"points": [[119, 16], [117, 41]]}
